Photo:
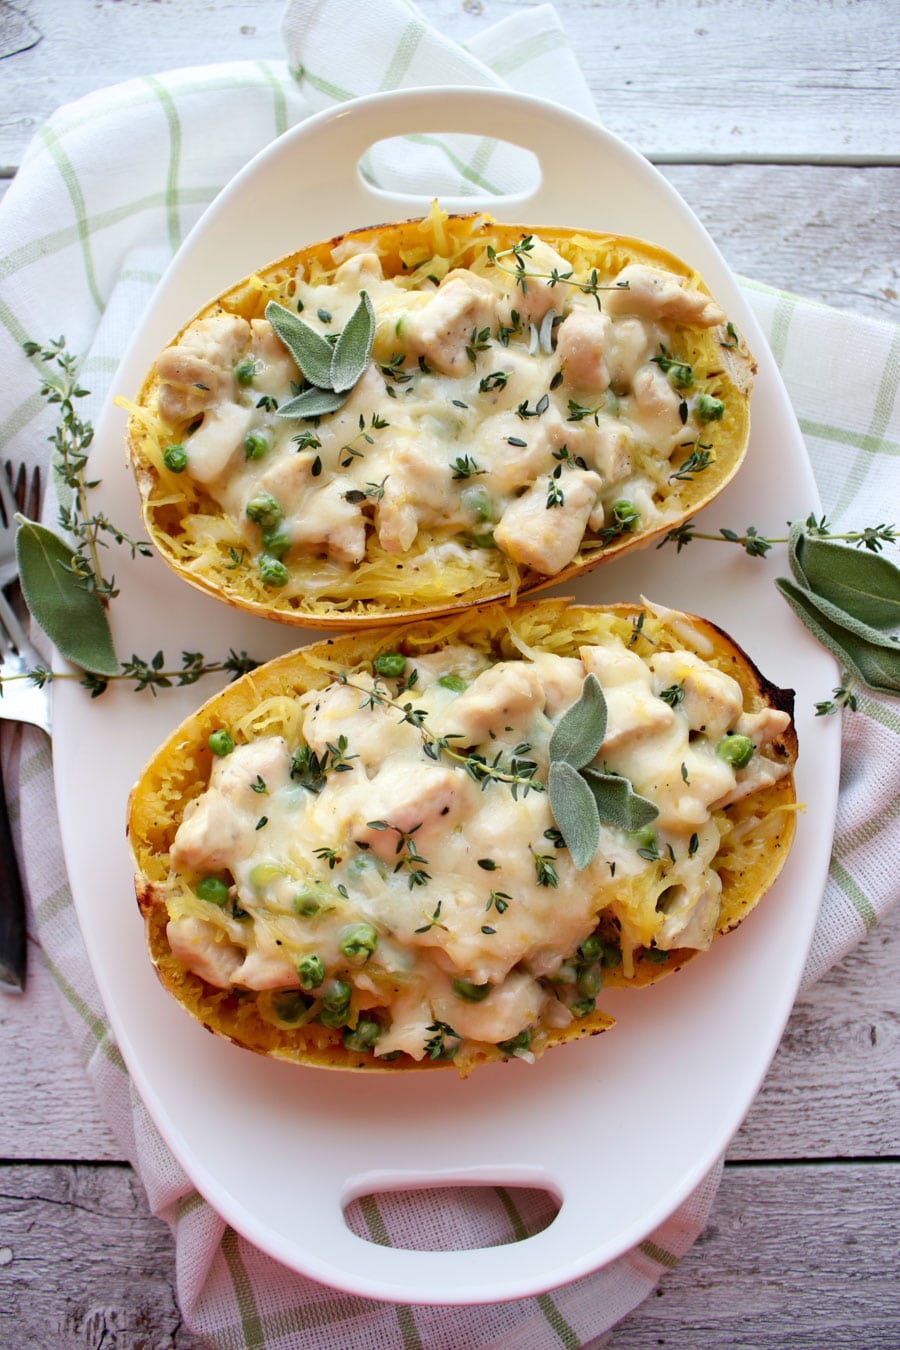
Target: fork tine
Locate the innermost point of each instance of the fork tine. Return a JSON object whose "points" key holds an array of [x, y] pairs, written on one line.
{"points": [[7, 503], [12, 635]]}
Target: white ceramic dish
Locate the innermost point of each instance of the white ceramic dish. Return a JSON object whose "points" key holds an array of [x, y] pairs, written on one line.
{"points": [[620, 1129]]}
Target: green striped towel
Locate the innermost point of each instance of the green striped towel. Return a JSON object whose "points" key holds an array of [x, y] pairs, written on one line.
{"points": [[109, 187]]}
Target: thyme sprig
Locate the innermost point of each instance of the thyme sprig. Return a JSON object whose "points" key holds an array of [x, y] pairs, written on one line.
{"points": [[521, 252], [518, 773], [71, 441], [757, 545]]}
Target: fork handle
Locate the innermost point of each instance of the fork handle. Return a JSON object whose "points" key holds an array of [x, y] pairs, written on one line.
{"points": [[13, 931]]}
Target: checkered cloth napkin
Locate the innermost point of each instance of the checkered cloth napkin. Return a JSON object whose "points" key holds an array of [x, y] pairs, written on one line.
{"points": [[108, 189]]}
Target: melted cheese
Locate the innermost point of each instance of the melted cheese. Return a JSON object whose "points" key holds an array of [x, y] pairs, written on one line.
{"points": [[363, 815], [496, 414]]}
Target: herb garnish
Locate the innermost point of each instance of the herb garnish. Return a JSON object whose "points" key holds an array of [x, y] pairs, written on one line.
{"points": [[331, 370], [64, 587], [582, 797]]}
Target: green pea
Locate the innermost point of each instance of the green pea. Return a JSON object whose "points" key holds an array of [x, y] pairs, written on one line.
{"points": [[735, 750], [390, 664], [272, 572], [590, 980], [485, 540], [478, 503], [582, 1007], [591, 948], [519, 1042], [363, 1036], [220, 742], [256, 443], [175, 458], [263, 510], [264, 872], [290, 1007], [245, 371], [656, 956], [335, 1004], [358, 943], [645, 837], [625, 515], [454, 682], [472, 993], [307, 902], [212, 889], [310, 971], [276, 541], [709, 409]]}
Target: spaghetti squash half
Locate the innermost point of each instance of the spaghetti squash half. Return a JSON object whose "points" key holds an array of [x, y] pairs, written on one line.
{"points": [[436, 413], [368, 853]]}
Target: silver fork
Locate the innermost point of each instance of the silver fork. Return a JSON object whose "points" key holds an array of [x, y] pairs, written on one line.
{"points": [[23, 701]]}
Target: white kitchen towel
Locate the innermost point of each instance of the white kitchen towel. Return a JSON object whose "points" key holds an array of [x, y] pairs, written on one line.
{"points": [[108, 189]]}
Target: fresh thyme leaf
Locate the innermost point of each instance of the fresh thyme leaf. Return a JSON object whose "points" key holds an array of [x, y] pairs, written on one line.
{"points": [[575, 811], [579, 733], [71, 615], [310, 349], [353, 348]]}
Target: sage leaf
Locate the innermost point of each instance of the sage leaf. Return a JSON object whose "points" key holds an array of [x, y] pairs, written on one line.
{"points": [[867, 653], [863, 584], [579, 733], [617, 802], [310, 349], [351, 352], [574, 811], [71, 616], [313, 403]]}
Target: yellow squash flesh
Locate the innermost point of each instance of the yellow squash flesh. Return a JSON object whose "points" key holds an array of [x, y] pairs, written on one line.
{"points": [[218, 551], [754, 844]]}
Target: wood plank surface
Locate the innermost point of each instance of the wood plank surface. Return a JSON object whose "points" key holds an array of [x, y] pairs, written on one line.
{"points": [[689, 80], [794, 1256], [780, 125]]}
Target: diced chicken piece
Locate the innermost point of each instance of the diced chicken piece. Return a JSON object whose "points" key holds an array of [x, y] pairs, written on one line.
{"points": [[628, 347], [373, 730], [204, 949], [544, 537], [693, 782], [219, 827], [763, 727], [197, 370], [218, 441], [266, 966], [511, 466], [653, 293], [359, 270], [416, 492], [562, 678], [412, 798], [212, 835], [616, 665], [506, 695], [288, 481], [759, 773], [329, 521], [540, 294], [633, 712], [411, 1017], [691, 918], [276, 368], [601, 441], [712, 702], [238, 776], [441, 330], [501, 1015], [654, 405], [581, 346]]}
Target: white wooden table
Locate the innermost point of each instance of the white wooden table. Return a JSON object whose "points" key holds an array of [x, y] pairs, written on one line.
{"points": [[779, 123]]}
